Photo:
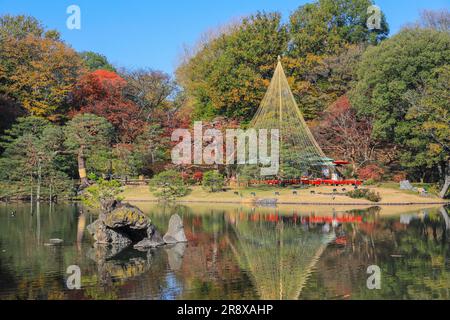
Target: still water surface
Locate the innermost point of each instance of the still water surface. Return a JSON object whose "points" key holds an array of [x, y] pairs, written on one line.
{"points": [[233, 252]]}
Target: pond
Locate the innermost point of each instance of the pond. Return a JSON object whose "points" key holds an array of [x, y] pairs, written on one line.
{"points": [[234, 252]]}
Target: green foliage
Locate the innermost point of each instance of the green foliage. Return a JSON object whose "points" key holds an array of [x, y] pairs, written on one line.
{"points": [[326, 26], [95, 61], [168, 185], [403, 84], [213, 181], [229, 74], [21, 26], [365, 194], [87, 132], [102, 190], [33, 158]]}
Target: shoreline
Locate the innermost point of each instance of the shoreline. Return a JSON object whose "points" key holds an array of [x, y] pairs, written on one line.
{"points": [[443, 203]]}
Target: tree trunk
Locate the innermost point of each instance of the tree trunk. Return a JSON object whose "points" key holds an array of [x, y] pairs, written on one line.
{"points": [[446, 186], [82, 169]]}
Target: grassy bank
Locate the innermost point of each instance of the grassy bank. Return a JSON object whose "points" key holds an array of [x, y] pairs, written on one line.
{"points": [[322, 195]]}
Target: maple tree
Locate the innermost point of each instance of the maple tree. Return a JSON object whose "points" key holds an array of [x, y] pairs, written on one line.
{"points": [[101, 93]]}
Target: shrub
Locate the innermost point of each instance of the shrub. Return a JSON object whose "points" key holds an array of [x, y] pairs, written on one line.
{"points": [[364, 194], [213, 181], [168, 185], [102, 194], [371, 171], [198, 176]]}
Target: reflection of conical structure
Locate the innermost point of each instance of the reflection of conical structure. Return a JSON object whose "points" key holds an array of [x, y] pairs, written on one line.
{"points": [[280, 256], [278, 110]]}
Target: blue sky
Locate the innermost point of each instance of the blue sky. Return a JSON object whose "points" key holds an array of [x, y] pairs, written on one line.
{"points": [[151, 33]]}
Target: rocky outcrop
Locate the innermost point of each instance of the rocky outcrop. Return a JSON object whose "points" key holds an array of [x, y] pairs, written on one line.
{"points": [[125, 225]]}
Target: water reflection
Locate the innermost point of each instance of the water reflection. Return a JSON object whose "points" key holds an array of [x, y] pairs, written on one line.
{"points": [[233, 253]]}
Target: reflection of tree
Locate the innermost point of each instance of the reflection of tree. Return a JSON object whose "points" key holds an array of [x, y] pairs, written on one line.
{"points": [[280, 256], [413, 260]]}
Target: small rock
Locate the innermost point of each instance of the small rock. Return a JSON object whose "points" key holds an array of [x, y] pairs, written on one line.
{"points": [[153, 240], [147, 244], [175, 233]]}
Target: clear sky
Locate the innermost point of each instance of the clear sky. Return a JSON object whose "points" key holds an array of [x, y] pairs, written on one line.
{"points": [[151, 33]]}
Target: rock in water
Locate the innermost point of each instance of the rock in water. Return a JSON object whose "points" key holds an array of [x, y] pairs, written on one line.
{"points": [[124, 225], [153, 239], [127, 216], [175, 233], [104, 235]]}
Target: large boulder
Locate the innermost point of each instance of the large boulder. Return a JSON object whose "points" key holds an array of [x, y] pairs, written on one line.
{"points": [[124, 225], [127, 216], [175, 234]]}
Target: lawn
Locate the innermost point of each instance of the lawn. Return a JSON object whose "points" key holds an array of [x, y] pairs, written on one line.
{"points": [[321, 195]]}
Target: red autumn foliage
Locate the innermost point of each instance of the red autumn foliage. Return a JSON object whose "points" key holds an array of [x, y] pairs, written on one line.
{"points": [[371, 172], [101, 93], [198, 176], [342, 134], [399, 177]]}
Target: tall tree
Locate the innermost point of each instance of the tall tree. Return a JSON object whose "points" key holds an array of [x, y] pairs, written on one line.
{"points": [[430, 110], [84, 133], [148, 88], [343, 134], [389, 76], [38, 73], [101, 93], [19, 27], [33, 150], [230, 73], [95, 61], [327, 39]]}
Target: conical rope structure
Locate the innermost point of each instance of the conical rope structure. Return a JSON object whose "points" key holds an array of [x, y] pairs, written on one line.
{"points": [[300, 154]]}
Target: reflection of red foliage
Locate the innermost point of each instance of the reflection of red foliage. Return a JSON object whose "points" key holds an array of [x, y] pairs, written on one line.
{"points": [[101, 93], [397, 226], [197, 222], [368, 228], [272, 218], [342, 241]]}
